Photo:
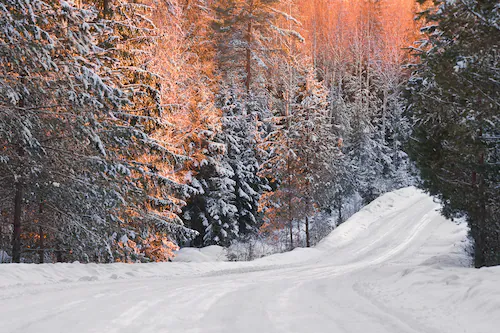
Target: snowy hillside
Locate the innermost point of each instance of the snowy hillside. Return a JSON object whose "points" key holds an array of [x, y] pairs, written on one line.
{"points": [[395, 266]]}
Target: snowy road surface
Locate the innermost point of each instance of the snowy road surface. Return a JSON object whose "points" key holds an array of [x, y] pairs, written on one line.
{"points": [[395, 267]]}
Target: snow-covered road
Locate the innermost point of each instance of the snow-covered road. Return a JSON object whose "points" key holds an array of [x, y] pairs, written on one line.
{"points": [[396, 266]]}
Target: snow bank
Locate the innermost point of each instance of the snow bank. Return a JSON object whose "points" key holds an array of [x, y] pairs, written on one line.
{"points": [[356, 228], [211, 253], [33, 274]]}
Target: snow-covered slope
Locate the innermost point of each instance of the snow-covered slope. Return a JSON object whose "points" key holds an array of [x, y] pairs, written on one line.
{"points": [[396, 266]]}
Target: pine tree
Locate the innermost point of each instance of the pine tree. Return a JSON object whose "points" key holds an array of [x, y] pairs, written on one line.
{"points": [[244, 31]]}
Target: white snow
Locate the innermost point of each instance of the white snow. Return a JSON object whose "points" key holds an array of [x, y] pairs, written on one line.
{"points": [[396, 266], [211, 253]]}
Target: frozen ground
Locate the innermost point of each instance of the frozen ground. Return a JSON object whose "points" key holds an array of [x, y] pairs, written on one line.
{"points": [[396, 266]]}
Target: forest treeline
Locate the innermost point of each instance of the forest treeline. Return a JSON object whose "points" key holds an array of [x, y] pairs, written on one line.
{"points": [[128, 128]]}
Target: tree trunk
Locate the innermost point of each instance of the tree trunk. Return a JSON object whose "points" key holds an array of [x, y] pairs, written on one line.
{"points": [[487, 242], [248, 67], [1, 237], [308, 240], [18, 200], [59, 257], [339, 203], [384, 112], [479, 234], [106, 8], [308, 173], [16, 234], [40, 234], [298, 233], [483, 224], [40, 246]]}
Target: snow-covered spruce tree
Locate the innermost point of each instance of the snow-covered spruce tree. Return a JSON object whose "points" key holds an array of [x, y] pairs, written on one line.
{"points": [[454, 99], [103, 158], [239, 137], [343, 186], [151, 221], [211, 211], [226, 206], [360, 145], [392, 126], [54, 109]]}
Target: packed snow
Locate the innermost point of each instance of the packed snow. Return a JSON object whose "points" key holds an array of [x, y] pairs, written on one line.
{"points": [[210, 253], [395, 266]]}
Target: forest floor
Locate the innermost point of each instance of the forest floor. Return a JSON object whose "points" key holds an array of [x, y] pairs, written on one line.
{"points": [[396, 266]]}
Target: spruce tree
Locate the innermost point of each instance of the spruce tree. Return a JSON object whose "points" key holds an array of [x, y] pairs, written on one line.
{"points": [[225, 206], [242, 156], [454, 98], [55, 107], [84, 135], [211, 210]]}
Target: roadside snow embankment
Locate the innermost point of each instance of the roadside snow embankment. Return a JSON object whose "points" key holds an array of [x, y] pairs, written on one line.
{"points": [[212, 253], [32, 274]]}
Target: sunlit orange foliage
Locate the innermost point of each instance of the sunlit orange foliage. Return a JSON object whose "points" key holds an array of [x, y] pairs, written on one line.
{"points": [[338, 31], [184, 59], [156, 247]]}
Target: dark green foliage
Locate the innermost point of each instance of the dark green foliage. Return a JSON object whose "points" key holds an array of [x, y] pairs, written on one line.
{"points": [[229, 187], [454, 97]]}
